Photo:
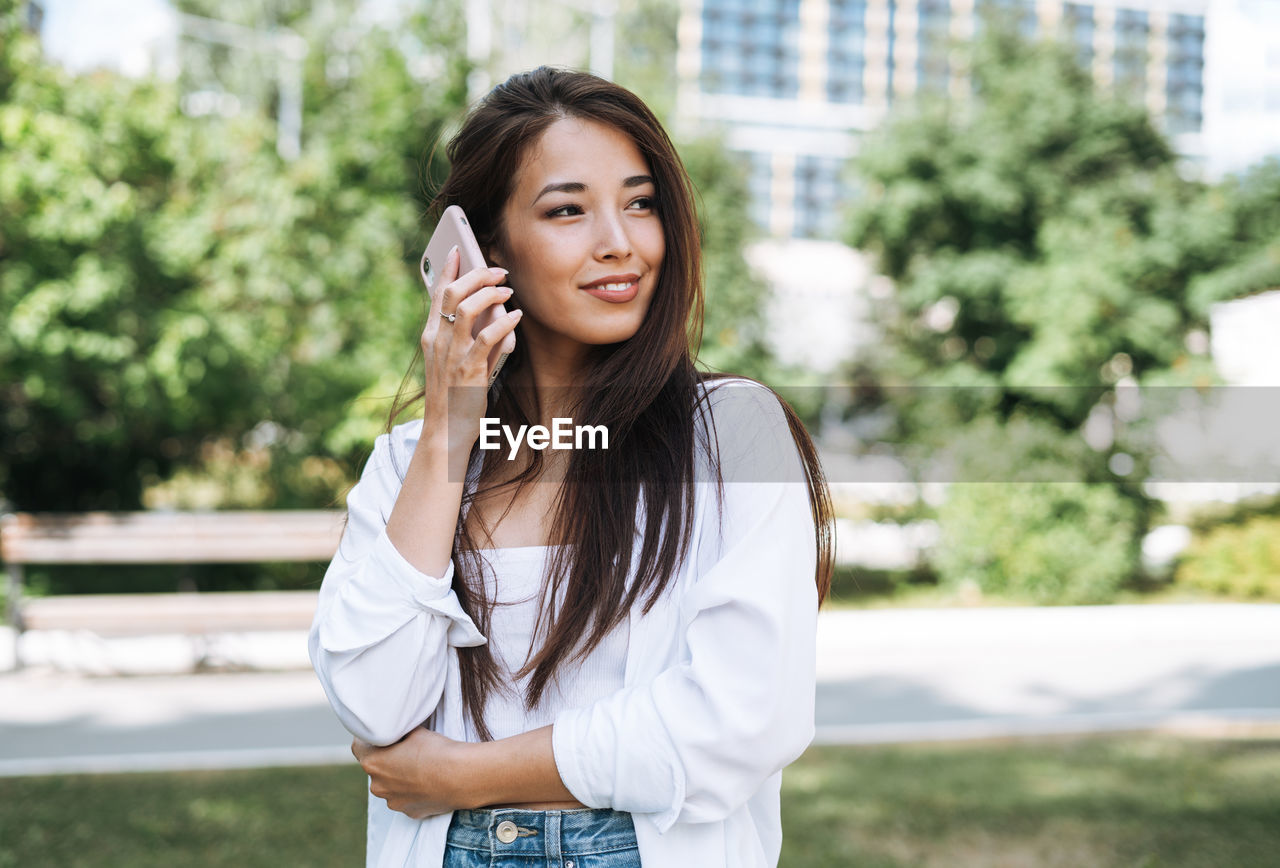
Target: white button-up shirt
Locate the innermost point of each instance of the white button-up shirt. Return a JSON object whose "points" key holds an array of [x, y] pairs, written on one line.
{"points": [[720, 675]]}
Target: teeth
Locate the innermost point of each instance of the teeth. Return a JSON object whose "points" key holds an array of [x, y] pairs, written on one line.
{"points": [[615, 287]]}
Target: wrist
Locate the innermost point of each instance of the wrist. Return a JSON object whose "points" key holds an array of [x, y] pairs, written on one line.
{"points": [[446, 449], [467, 765]]}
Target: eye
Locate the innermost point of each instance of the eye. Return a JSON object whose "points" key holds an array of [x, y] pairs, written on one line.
{"points": [[565, 211], [643, 203]]}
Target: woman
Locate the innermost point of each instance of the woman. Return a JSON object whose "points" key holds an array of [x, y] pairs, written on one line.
{"points": [[593, 656]]}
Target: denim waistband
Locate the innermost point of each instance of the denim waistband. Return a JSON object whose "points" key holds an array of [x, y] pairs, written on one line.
{"points": [[578, 832]]}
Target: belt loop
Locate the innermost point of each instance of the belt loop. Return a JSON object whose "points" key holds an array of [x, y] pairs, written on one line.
{"points": [[553, 834]]}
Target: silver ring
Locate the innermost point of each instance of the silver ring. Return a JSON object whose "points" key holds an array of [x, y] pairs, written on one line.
{"points": [[449, 316]]}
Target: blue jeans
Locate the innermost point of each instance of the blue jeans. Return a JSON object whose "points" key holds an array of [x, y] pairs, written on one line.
{"points": [[510, 838]]}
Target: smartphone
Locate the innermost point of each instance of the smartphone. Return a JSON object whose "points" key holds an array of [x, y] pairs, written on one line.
{"points": [[453, 229]]}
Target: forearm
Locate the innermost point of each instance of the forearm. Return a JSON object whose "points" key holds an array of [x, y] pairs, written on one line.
{"points": [[383, 625], [425, 517], [515, 770]]}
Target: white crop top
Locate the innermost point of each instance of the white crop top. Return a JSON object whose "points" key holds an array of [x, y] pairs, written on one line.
{"points": [[514, 580]]}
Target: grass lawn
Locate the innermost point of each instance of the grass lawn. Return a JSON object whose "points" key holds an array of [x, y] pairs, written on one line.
{"points": [[1122, 801]]}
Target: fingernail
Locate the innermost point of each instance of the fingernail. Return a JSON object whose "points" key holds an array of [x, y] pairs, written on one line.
{"points": [[496, 270], [506, 291], [516, 314], [453, 251]]}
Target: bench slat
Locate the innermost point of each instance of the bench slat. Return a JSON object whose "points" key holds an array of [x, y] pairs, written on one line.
{"points": [[241, 537], [161, 550], [141, 614], [179, 538]]}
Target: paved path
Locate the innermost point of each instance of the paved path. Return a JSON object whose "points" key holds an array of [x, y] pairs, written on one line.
{"points": [[906, 675], [899, 675]]}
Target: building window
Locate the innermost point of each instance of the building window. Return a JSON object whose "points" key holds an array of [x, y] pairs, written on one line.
{"points": [[889, 51], [1184, 80], [1077, 21], [1129, 62], [750, 47], [847, 37], [820, 196], [933, 37]]}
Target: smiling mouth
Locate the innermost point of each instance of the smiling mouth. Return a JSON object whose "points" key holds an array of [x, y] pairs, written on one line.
{"points": [[615, 291], [613, 283]]}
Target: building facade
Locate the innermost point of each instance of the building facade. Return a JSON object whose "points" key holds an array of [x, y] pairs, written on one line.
{"points": [[794, 82]]}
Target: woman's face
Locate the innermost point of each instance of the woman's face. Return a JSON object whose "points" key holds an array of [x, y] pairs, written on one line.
{"points": [[581, 237]]}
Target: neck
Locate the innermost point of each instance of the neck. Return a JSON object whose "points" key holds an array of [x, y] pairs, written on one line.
{"points": [[555, 369]]}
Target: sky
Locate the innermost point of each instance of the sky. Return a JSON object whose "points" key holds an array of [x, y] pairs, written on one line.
{"points": [[84, 34]]}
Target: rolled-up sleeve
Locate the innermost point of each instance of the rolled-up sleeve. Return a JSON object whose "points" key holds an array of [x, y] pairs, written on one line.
{"points": [[696, 742], [380, 638]]}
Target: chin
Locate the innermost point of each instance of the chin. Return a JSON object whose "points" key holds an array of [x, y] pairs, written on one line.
{"points": [[612, 330], [612, 336]]}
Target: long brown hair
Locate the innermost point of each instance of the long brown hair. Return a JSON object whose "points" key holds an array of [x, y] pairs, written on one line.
{"points": [[645, 390]]}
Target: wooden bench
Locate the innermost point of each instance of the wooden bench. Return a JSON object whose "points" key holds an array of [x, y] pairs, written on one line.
{"points": [[165, 538]]}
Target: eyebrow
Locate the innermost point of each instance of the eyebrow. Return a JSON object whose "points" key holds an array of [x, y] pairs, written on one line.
{"points": [[579, 187]]}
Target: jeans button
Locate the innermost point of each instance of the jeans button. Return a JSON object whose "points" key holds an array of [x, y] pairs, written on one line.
{"points": [[506, 831]]}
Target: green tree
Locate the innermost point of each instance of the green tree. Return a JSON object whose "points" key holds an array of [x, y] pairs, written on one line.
{"points": [[188, 315], [1043, 245], [733, 325], [1248, 234], [644, 62], [165, 281], [645, 52]]}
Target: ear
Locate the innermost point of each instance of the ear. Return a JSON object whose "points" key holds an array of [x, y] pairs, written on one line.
{"points": [[493, 255]]}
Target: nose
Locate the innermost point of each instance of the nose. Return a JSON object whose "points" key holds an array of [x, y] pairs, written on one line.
{"points": [[613, 243]]}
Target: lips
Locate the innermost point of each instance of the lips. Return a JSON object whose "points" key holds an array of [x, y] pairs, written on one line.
{"points": [[616, 296], [615, 288]]}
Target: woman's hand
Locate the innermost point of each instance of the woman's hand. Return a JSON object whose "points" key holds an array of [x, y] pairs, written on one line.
{"points": [[453, 359], [417, 776], [426, 773]]}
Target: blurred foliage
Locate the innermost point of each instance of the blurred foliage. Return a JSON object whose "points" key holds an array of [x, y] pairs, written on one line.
{"points": [[192, 322], [645, 47], [1249, 238], [167, 281], [1044, 248], [1237, 559], [733, 326], [733, 329], [853, 583], [1207, 516], [1033, 506], [1044, 542], [1033, 233]]}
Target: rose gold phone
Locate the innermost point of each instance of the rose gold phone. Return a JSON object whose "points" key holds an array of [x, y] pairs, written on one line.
{"points": [[454, 229]]}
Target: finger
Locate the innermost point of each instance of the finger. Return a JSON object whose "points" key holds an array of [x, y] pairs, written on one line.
{"points": [[491, 336], [478, 302], [456, 291], [449, 273]]}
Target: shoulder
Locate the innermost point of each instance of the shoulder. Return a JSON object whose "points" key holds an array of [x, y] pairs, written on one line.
{"points": [[730, 397], [748, 427]]}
